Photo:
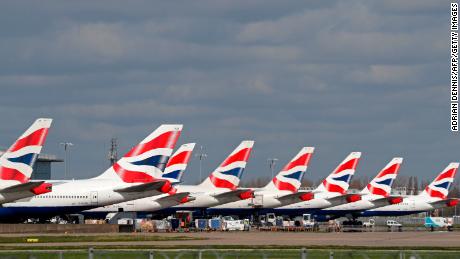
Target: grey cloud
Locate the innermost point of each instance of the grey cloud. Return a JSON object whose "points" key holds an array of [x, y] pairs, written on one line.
{"points": [[343, 76]]}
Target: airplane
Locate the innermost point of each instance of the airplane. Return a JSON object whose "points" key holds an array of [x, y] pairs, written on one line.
{"points": [[433, 197], [281, 190], [375, 195], [173, 172], [331, 192], [16, 164], [136, 175], [220, 187]]}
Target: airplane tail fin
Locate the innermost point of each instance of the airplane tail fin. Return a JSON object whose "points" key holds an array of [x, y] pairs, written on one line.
{"points": [[290, 177], [339, 180], [17, 162], [382, 183], [230, 171], [146, 161], [439, 188], [178, 163]]}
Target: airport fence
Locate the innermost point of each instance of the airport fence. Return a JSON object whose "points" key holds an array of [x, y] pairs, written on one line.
{"points": [[303, 253]]}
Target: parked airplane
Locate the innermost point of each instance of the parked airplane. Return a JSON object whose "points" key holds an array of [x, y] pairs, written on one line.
{"points": [[375, 195], [281, 190], [220, 187], [16, 164], [136, 175], [173, 172], [433, 197], [331, 192]]}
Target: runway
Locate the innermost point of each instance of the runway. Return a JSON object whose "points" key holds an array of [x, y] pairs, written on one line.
{"points": [[284, 239]]}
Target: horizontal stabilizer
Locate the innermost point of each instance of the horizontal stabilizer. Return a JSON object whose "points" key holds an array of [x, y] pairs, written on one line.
{"points": [[385, 201], [239, 194], [175, 199], [23, 187], [343, 199], [449, 202], [144, 187], [296, 197]]}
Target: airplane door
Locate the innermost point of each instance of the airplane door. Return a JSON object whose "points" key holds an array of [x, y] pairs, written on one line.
{"points": [[258, 200], [93, 198]]}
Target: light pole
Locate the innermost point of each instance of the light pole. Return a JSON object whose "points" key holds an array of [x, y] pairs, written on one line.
{"points": [[271, 164], [201, 156], [66, 146]]}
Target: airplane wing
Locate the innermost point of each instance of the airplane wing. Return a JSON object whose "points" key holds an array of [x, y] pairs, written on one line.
{"points": [[151, 186], [25, 190], [342, 199], [175, 199], [449, 202], [385, 201], [238, 194], [295, 197], [23, 187]]}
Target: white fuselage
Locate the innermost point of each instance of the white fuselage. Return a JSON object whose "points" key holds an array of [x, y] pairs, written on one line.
{"points": [[409, 204], [366, 203], [268, 199], [203, 199], [319, 202], [73, 196]]}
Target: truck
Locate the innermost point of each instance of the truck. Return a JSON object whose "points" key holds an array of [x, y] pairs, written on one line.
{"points": [[439, 222], [369, 224], [230, 224], [306, 221], [393, 224], [270, 219]]}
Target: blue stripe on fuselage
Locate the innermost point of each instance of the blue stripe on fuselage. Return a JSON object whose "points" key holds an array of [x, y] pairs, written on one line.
{"points": [[158, 161], [235, 172], [295, 175], [343, 178], [385, 182], [27, 159]]}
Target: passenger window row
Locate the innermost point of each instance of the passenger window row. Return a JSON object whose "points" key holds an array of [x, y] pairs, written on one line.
{"points": [[62, 196]]}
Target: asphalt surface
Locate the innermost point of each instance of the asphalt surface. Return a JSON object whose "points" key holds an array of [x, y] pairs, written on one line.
{"points": [[255, 238]]}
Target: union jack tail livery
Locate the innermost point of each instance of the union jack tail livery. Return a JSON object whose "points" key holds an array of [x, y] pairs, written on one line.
{"points": [[339, 180], [17, 162], [439, 188], [381, 184], [290, 177], [146, 161], [229, 173], [178, 163]]}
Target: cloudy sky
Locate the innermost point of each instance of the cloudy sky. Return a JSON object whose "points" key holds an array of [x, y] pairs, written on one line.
{"points": [[370, 76]]}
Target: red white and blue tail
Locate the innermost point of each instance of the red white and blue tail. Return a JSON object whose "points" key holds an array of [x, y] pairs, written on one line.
{"points": [[339, 180], [290, 177], [382, 183], [178, 163], [439, 188], [17, 162], [146, 161], [229, 173]]}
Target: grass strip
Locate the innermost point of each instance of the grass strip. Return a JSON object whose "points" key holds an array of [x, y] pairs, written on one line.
{"points": [[111, 238]]}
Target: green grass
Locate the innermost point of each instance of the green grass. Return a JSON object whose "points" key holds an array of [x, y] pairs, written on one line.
{"points": [[176, 246], [247, 254], [112, 238]]}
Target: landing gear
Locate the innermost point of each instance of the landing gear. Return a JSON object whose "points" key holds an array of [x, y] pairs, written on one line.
{"points": [[352, 225]]}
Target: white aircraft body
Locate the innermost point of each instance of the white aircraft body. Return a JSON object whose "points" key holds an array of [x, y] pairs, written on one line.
{"points": [[136, 175]]}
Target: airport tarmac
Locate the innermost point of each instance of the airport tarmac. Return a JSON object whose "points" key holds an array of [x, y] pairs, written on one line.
{"points": [[285, 239]]}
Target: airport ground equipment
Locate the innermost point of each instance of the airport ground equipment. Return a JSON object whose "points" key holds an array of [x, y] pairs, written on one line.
{"points": [[439, 223]]}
